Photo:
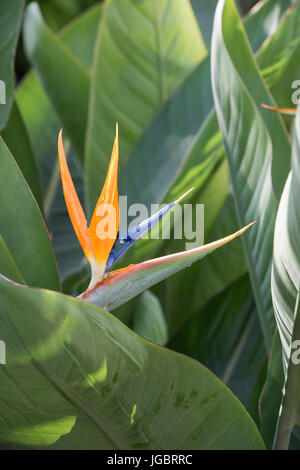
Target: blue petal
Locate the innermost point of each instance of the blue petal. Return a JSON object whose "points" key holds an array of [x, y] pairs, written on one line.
{"points": [[122, 244]]}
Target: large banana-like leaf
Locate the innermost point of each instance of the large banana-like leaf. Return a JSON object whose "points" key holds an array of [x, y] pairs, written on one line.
{"points": [[124, 284], [10, 14], [228, 27], [148, 319], [272, 392], [56, 64], [260, 23], [264, 20], [144, 51], [279, 59], [204, 12], [182, 144], [286, 273], [80, 34], [285, 292], [8, 265], [22, 226], [165, 156], [22, 151], [98, 385], [43, 126], [253, 161], [225, 336]]}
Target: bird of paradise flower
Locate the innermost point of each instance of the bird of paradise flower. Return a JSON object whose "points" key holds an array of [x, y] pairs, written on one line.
{"points": [[110, 289]]}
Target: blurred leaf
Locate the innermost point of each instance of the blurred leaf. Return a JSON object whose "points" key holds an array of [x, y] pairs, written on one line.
{"points": [[80, 35], [272, 393], [43, 126], [179, 150], [10, 14], [286, 273], [22, 226], [148, 319], [64, 77], [285, 293], [257, 149], [8, 266], [279, 59], [16, 138], [144, 51], [289, 412], [225, 336], [264, 19], [204, 11], [60, 12], [277, 52], [124, 392], [164, 158]]}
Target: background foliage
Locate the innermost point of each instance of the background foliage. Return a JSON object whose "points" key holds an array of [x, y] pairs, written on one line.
{"points": [[195, 362]]}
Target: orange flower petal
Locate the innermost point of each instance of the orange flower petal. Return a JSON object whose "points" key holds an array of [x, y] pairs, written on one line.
{"points": [[75, 210], [105, 220], [289, 111]]}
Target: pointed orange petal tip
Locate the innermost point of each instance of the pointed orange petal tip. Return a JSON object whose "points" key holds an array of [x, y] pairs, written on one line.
{"points": [[75, 210], [105, 220], [288, 111]]}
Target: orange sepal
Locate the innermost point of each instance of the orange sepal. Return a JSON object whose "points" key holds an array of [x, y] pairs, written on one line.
{"points": [[104, 225], [74, 207]]}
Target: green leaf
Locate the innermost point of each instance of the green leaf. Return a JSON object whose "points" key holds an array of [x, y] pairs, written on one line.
{"points": [[11, 14], [179, 150], [225, 336], [65, 78], [238, 90], [43, 126], [260, 23], [272, 392], [124, 392], [23, 228], [165, 157], [124, 284], [289, 413], [285, 288], [278, 59], [148, 319], [277, 52], [144, 51], [264, 21], [8, 266], [285, 272], [204, 12], [16, 138], [80, 34], [243, 62]]}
